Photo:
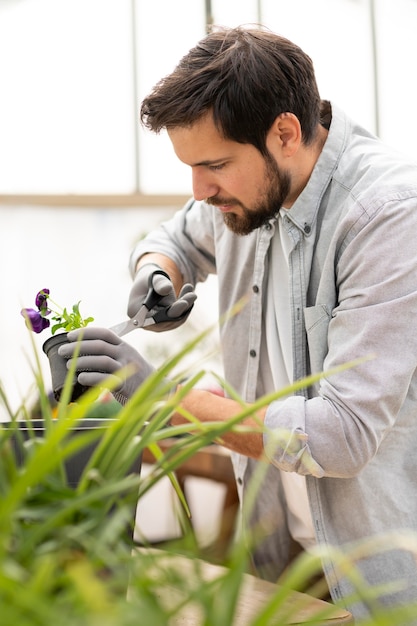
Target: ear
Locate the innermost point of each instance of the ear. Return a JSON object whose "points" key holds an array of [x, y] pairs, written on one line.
{"points": [[285, 134]]}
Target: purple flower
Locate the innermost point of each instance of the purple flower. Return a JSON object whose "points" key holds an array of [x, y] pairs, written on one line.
{"points": [[41, 301], [64, 319], [34, 320]]}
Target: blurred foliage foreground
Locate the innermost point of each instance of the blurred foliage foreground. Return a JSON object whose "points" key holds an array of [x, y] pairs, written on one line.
{"points": [[69, 485]]}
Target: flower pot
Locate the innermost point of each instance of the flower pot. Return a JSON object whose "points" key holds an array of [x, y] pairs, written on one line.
{"points": [[75, 464], [25, 434], [58, 365]]}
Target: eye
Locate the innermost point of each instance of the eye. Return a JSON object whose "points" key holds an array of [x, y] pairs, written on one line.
{"points": [[217, 167]]}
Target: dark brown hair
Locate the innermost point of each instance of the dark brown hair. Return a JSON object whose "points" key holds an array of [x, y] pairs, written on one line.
{"points": [[246, 77]]}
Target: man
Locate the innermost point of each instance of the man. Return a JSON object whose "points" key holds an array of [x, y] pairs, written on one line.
{"points": [[314, 217]]}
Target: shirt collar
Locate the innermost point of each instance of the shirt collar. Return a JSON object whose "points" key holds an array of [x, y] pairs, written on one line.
{"points": [[303, 212]]}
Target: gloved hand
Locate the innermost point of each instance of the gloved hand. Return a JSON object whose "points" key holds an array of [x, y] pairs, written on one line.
{"points": [[176, 308], [101, 354]]}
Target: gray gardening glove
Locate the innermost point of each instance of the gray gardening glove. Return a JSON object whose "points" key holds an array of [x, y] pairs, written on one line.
{"points": [[178, 309], [101, 354]]}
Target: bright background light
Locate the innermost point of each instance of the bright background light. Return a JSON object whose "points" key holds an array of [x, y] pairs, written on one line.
{"points": [[72, 75]]}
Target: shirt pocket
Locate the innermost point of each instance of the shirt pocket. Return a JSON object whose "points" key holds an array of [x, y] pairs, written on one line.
{"points": [[317, 319]]}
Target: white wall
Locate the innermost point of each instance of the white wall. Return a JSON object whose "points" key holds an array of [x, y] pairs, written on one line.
{"points": [[68, 118], [79, 254], [74, 71]]}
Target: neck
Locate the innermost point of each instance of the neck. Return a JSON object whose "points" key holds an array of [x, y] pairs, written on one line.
{"points": [[307, 158]]}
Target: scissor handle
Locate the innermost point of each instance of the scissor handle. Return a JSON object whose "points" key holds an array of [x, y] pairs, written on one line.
{"points": [[153, 297], [161, 316]]}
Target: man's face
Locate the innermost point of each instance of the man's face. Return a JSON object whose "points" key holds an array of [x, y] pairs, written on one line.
{"points": [[247, 188]]}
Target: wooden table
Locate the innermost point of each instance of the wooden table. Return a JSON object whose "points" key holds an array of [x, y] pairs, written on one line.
{"points": [[297, 608], [213, 462]]}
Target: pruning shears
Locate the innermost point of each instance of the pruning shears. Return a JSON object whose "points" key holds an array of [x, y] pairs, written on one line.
{"points": [[149, 313]]}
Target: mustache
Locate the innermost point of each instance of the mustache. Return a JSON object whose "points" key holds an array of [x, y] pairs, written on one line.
{"points": [[218, 201]]}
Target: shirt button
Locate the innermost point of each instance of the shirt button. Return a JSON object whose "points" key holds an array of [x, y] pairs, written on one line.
{"points": [[255, 289], [307, 229], [252, 352], [239, 481]]}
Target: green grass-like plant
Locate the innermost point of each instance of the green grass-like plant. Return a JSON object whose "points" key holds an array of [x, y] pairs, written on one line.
{"points": [[66, 552]]}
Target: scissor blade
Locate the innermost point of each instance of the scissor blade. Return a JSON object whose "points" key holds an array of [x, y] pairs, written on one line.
{"points": [[123, 328], [136, 322]]}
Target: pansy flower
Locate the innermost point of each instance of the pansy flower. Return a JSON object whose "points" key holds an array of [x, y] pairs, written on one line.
{"points": [[34, 320], [41, 301], [37, 320]]}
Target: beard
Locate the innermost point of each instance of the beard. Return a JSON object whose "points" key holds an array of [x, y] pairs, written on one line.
{"points": [[277, 187]]}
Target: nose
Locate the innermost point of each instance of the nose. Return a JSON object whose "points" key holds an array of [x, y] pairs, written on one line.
{"points": [[203, 184]]}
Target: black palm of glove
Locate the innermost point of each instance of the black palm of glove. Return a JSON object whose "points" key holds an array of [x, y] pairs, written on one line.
{"points": [[177, 309], [101, 355]]}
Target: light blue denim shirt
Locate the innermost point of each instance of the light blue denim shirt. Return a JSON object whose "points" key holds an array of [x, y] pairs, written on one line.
{"points": [[353, 272]]}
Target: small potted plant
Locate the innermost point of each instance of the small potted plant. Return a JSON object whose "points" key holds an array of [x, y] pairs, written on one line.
{"points": [[39, 319], [65, 387]]}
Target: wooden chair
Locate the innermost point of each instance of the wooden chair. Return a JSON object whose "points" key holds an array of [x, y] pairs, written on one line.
{"points": [[213, 463]]}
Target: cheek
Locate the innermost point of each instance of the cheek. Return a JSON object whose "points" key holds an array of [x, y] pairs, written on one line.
{"points": [[251, 182], [244, 181]]}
